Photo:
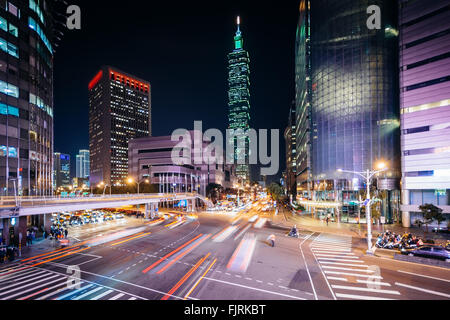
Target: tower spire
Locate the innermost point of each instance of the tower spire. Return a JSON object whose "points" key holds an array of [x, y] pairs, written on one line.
{"points": [[238, 41]]}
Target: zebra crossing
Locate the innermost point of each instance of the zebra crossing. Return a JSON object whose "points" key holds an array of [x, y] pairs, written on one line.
{"points": [[17, 283], [348, 277]]}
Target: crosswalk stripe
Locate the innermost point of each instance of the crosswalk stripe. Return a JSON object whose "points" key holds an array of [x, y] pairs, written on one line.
{"points": [[344, 264], [27, 285], [88, 293], [332, 251], [348, 269], [117, 296], [37, 287], [373, 283], [358, 297], [54, 292], [354, 274], [337, 278], [365, 289], [335, 256], [102, 295], [335, 259], [74, 292], [21, 276]]}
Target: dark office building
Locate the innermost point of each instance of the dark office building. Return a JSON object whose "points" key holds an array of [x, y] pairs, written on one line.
{"points": [[61, 170], [119, 110], [355, 104], [239, 99], [302, 132]]}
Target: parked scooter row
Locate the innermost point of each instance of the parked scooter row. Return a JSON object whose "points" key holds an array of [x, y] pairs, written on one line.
{"points": [[390, 240]]}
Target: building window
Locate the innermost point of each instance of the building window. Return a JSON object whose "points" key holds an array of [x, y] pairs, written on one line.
{"points": [[13, 9], [12, 152], [9, 89], [9, 48]]}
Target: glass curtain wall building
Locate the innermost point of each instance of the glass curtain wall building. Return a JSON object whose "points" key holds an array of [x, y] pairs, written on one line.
{"points": [[303, 102], [26, 98], [425, 106], [119, 110], [239, 100], [355, 105], [82, 164]]}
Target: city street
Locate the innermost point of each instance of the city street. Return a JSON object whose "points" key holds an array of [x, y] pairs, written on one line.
{"points": [[214, 257]]}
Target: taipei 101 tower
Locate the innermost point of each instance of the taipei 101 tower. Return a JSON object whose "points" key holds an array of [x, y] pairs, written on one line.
{"points": [[239, 100]]}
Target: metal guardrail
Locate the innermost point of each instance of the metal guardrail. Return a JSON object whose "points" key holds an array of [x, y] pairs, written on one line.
{"points": [[10, 202]]}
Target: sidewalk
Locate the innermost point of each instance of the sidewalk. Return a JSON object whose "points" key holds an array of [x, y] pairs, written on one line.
{"points": [[39, 246], [287, 219]]}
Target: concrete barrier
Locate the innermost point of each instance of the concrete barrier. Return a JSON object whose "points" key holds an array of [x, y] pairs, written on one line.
{"points": [[427, 261]]}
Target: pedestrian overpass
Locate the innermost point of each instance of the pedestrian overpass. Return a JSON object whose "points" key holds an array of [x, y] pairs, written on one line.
{"points": [[27, 206]]}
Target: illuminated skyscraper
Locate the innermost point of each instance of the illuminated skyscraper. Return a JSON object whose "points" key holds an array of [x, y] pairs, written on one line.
{"points": [[82, 167], [120, 110], [239, 98]]}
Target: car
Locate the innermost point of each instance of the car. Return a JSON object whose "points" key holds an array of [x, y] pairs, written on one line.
{"points": [[434, 252], [119, 216]]}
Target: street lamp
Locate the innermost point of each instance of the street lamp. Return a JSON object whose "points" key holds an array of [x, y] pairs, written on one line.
{"points": [[367, 176], [131, 180]]}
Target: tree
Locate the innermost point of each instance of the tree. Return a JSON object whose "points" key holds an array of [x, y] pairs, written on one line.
{"points": [[276, 191], [430, 212], [212, 190], [439, 217]]}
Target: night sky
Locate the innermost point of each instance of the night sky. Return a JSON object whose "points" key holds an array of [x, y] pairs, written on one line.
{"points": [[181, 48]]}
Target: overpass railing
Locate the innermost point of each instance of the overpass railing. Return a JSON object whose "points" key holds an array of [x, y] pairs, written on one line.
{"points": [[29, 201]]}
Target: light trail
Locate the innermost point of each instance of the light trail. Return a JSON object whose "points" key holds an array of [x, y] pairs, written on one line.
{"points": [[185, 277], [171, 253]]}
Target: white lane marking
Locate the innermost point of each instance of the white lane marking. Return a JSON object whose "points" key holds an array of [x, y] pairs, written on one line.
{"points": [[306, 265], [335, 259], [102, 295], [423, 290], [366, 289], [259, 281], [358, 297], [344, 264], [132, 298], [348, 269], [117, 296], [88, 293], [270, 284], [371, 282], [353, 274], [421, 275], [256, 289], [337, 279]]}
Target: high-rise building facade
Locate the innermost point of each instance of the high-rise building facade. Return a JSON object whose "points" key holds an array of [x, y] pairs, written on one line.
{"points": [[26, 97], [425, 105], [82, 164], [355, 105], [291, 154], [239, 101], [61, 170], [303, 102], [119, 110]]}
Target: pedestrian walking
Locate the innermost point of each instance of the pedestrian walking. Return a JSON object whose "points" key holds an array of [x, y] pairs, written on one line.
{"points": [[65, 233], [271, 240]]}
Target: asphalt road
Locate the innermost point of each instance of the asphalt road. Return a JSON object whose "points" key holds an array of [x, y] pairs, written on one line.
{"points": [[214, 257]]}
